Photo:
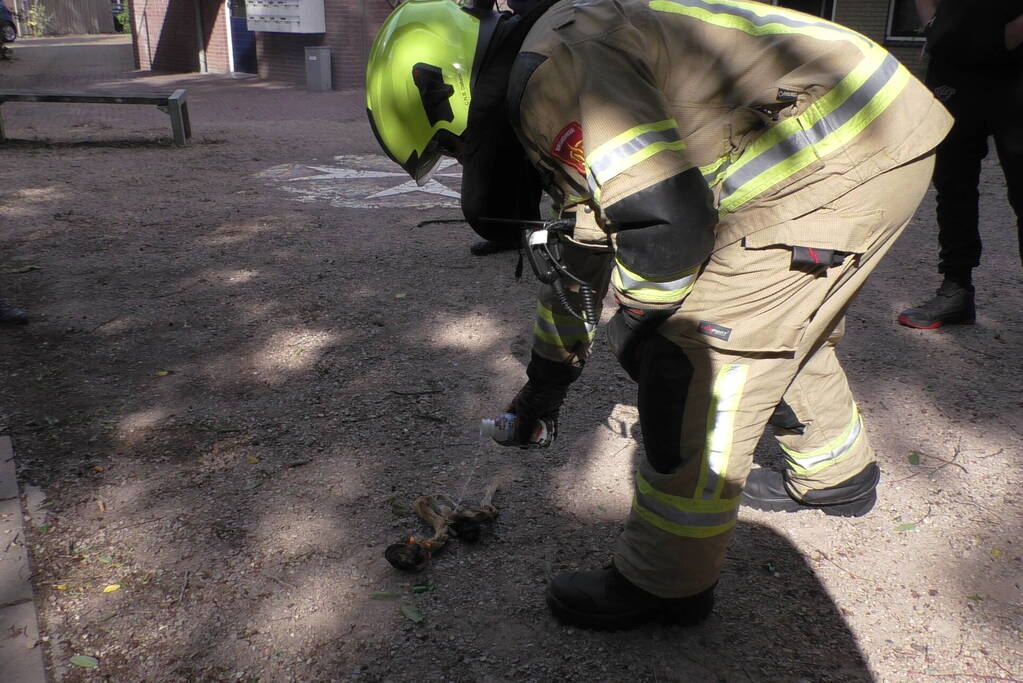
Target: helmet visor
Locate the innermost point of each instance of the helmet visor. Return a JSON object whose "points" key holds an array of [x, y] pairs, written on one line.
{"points": [[422, 166]]}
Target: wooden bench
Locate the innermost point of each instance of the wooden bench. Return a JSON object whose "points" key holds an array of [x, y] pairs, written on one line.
{"points": [[175, 105]]}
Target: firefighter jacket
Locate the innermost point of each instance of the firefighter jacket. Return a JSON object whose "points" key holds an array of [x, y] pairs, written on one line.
{"points": [[775, 111]]}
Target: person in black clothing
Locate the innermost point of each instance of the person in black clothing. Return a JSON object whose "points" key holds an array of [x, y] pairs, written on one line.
{"points": [[976, 70]]}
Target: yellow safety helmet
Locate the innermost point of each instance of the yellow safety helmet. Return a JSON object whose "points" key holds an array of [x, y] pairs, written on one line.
{"points": [[419, 80]]}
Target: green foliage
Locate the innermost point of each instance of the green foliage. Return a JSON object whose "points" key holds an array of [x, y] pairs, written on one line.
{"points": [[123, 18], [36, 18]]}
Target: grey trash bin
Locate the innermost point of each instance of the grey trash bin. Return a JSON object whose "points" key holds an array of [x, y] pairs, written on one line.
{"points": [[317, 68]]}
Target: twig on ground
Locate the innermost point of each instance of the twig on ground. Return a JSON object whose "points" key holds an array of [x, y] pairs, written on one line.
{"points": [[132, 526], [362, 419], [978, 677], [104, 323], [437, 221], [283, 583], [184, 586], [825, 556], [416, 393]]}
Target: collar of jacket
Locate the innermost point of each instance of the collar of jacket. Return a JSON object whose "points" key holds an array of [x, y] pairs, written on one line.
{"points": [[487, 111]]}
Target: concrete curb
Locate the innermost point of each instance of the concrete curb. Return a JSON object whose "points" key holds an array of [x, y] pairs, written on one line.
{"points": [[21, 657]]}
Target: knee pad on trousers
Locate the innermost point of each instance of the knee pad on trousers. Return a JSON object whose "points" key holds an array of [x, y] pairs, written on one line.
{"points": [[664, 377]]}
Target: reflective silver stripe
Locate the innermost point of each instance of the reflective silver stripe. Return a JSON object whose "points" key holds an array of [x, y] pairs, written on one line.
{"points": [[815, 460], [762, 20], [630, 283], [803, 138], [686, 518], [601, 167], [726, 394]]}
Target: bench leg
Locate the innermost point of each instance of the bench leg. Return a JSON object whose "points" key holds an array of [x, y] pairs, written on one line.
{"points": [[179, 122], [2, 138]]}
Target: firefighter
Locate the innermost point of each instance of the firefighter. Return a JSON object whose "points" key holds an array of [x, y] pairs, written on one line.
{"points": [[733, 172]]}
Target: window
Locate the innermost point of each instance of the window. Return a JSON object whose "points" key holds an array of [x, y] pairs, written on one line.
{"points": [[903, 23], [820, 8]]}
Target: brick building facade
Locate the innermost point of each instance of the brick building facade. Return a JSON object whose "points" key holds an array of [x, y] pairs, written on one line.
{"points": [[211, 35]]}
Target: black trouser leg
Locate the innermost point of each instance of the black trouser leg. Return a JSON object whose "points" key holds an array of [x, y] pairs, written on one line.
{"points": [[956, 176], [1009, 143]]}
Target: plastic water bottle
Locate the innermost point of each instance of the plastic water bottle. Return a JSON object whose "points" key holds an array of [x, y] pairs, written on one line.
{"points": [[502, 430]]}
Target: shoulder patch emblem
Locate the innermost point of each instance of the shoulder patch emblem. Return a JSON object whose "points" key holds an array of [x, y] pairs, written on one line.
{"points": [[568, 147]]}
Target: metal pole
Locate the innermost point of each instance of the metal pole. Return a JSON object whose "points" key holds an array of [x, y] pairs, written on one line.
{"points": [[199, 35]]}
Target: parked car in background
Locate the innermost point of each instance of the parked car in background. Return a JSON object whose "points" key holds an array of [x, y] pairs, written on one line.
{"points": [[8, 29]]}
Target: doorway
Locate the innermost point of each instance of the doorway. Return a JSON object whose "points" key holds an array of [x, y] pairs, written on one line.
{"points": [[243, 41]]}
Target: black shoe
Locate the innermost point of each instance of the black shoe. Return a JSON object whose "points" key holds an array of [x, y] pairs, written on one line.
{"points": [[952, 305], [9, 315], [854, 497], [486, 247], [606, 601]]}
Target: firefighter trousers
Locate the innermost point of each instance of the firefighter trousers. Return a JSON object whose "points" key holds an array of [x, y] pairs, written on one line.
{"points": [[755, 331]]}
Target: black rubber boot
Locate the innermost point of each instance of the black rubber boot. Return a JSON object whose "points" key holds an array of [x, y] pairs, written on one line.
{"points": [[854, 497], [486, 247], [605, 600], [952, 305], [9, 315]]}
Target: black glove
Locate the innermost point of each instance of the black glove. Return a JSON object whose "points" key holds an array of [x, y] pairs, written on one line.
{"points": [[626, 331], [542, 395]]}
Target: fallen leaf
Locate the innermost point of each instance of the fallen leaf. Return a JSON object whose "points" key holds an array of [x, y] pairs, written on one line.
{"points": [[400, 295], [412, 613], [253, 460], [101, 505], [22, 269], [974, 596], [383, 595], [105, 559], [97, 468], [914, 458], [996, 552], [61, 587], [905, 527], [85, 662], [111, 588], [422, 588], [164, 373]]}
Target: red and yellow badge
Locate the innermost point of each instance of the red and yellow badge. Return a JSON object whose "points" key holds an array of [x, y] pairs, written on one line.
{"points": [[568, 147]]}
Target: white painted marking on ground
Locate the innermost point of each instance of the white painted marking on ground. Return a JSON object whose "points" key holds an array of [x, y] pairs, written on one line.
{"points": [[366, 182]]}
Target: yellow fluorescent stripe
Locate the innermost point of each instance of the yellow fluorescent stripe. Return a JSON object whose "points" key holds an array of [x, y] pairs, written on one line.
{"points": [[725, 397], [654, 296], [628, 162], [680, 530], [832, 142], [838, 95], [632, 133], [738, 23], [660, 278], [713, 168], [566, 341], [686, 504]]}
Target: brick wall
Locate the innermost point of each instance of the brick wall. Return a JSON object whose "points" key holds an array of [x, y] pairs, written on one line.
{"points": [[350, 28], [166, 38], [166, 35], [870, 17]]}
